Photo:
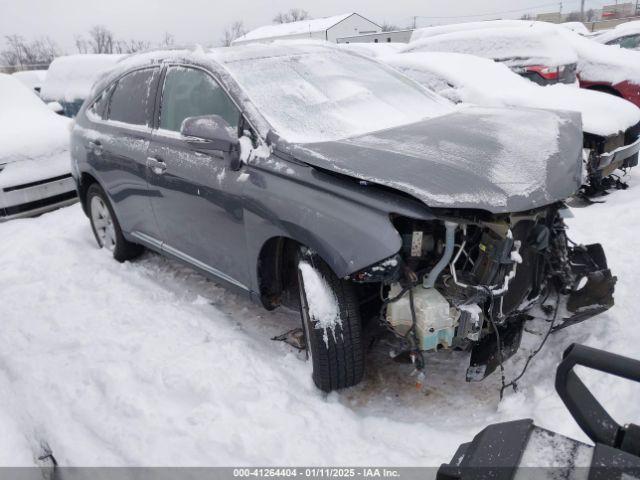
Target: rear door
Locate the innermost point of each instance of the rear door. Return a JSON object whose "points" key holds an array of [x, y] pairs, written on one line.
{"points": [[120, 149], [196, 198]]}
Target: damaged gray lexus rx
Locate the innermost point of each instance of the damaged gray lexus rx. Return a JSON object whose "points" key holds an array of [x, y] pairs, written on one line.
{"points": [[311, 177]]}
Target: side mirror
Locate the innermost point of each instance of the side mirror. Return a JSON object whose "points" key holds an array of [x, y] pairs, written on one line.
{"points": [[212, 133]]}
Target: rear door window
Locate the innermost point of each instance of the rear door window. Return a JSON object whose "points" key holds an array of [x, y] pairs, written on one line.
{"points": [[132, 100], [190, 92]]}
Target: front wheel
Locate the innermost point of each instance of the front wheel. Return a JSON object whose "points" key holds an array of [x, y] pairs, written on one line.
{"points": [[106, 228], [331, 320]]}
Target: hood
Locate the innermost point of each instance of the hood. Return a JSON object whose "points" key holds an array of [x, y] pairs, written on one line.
{"points": [[499, 160]]}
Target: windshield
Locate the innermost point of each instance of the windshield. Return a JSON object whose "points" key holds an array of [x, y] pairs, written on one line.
{"points": [[329, 95]]}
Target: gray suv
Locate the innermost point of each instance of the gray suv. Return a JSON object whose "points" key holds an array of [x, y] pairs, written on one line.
{"points": [[311, 177]]}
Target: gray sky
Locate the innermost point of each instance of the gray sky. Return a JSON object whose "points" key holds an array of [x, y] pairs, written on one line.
{"points": [[202, 21]]}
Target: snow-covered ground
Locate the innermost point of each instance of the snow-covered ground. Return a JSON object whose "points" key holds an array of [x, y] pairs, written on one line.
{"points": [[149, 363]]}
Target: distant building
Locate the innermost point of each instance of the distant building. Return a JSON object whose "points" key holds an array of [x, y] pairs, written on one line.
{"points": [[329, 28], [553, 17], [401, 36]]}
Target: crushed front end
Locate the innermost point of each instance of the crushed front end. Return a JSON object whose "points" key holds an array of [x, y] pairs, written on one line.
{"points": [[602, 156], [471, 281]]}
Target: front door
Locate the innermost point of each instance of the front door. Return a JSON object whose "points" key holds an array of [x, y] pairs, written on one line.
{"points": [[196, 198]]}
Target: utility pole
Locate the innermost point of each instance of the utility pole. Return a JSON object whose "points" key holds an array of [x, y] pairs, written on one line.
{"points": [[582, 10], [414, 22]]}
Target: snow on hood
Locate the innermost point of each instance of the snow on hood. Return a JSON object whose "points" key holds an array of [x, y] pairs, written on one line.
{"points": [[520, 45], [624, 29], [28, 129], [32, 78], [604, 63], [499, 160], [71, 77], [577, 27], [495, 85]]}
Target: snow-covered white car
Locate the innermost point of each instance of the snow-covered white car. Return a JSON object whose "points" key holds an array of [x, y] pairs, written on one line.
{"points": [[540, 54], [33, 79], [70, 78], [625, 35], [611, 125], [35, 169]]}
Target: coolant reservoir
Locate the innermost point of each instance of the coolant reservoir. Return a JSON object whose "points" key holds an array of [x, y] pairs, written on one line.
{"points": [[434, 321]]}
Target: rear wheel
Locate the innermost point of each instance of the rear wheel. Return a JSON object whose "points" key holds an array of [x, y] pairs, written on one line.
{"points": [[332, 326], [106, 227]]}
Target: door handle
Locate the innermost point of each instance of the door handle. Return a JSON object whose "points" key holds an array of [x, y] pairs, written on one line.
{"points": [[96, 147], [156, 165]]}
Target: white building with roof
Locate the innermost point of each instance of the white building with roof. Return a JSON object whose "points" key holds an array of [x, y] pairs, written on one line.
{"points": [[328, 28]]}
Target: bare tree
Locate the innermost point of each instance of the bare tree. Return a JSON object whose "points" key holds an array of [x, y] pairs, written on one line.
{"points": [[19, 52], [167, 41], [591, 15], [101, 40], [573, 17], [293, 15], [233, 31], [389, 27], [131, 46], [526, 16]]}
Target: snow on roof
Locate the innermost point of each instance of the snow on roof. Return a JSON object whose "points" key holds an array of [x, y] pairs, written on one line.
{"points": [[71, 77], [373, 50], [494, 85], [529, 45], [293, 28], [624, 29], [603, 63], [426, 32]]}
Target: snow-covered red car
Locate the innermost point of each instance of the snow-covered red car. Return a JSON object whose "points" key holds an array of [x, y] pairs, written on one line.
{"points": [[542, 56], [35, 168], [611, 125]]}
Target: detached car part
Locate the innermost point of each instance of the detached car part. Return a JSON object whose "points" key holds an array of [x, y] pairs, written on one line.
{"points": [[509, 450]]}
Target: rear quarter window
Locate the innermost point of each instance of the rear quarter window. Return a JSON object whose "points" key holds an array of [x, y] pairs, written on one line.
{"points": [[132, 100]]}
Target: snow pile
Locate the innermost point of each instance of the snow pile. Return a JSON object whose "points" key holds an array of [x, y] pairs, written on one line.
{"points": [[301, 27], [494, 85], [71, 77], [426, 32], [311, 92], [323, 306], [512, 45], [622, 30], [34, 79], [34, 141]]}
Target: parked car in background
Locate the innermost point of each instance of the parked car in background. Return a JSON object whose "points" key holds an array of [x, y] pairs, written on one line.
{"points": [[611, 125], [625, 35], [69, 79], [302, 174], [35, 167], [34, 79], [541, 55]]}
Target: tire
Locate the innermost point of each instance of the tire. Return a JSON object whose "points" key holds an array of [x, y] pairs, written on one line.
{"points": [[106, 227], [337, 354]]}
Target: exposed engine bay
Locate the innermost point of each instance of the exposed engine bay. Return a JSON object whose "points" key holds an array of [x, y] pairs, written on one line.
{"points": [[471, 282]]}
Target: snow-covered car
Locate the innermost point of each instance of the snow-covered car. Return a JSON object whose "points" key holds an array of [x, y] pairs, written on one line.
{"points": [[577, 27], [625, 35], [305, 175], [35, 169], [539, 54], [34, 79], [69, 79], [611, 125]]}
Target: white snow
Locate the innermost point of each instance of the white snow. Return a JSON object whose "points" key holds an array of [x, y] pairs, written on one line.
{"points": [[624, 29], [494, 85], [312, 92], [512, 45], [577, 27], [71, 77], [301, 27], [373, 50], [323, 306], [31, 78], [34, 141], [148, 363]]}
